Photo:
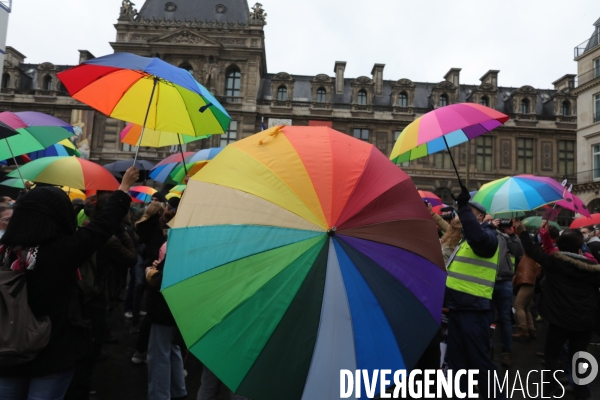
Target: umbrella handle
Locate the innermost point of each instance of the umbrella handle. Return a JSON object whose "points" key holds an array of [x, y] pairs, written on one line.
{"points": [[145, 120], [452, 159]]}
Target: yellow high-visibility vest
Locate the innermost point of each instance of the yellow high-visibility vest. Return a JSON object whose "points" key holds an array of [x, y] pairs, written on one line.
{"points": [[469, 273]]}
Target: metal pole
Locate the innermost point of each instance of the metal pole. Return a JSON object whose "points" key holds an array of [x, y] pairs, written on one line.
{"points": [[182, 157], [452, 159], [15, 160], [145, 120]]}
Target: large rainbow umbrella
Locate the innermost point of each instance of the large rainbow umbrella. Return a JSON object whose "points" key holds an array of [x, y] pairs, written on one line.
{"points": [[142, 193], [37, 131], [297, 252], [161, 171], [518, 193], [148, 92], [132, 134], [191, 165], [62, 148], [68, 171]]}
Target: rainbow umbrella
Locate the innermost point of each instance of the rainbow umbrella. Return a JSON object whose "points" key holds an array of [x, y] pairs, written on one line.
{"points": [[63, 148], [148, 92], [68, 171], [178, 189], [161, 171], [297, 252], [14, 183], [132, 133], [73, 193], [192, 164], [142, 193], [429, 197], [518, 193], [443, 128]]}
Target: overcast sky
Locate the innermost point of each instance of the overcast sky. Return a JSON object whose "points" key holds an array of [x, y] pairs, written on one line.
{"points": [[530, 41]]}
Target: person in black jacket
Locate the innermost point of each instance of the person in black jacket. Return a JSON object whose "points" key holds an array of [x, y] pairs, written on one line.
{"points": [[570, 297], [44, 219]]}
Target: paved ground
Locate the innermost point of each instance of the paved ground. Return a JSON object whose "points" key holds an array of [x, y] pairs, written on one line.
{"points": [[117, 378]]}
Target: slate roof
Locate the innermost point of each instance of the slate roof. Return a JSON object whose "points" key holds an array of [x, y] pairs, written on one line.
{"points": [[200, 10]]}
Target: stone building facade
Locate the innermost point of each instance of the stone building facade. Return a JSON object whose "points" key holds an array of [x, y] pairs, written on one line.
{"points": [[222, 43]]}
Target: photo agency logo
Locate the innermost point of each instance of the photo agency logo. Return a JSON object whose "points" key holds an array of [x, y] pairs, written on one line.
{"points": [[584, 367]]}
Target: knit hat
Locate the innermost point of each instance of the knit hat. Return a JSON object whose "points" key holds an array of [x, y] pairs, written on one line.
{"points": [[174, 202], [40, 215]]}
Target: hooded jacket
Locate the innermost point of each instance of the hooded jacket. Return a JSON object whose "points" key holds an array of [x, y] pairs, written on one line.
{"points": [[152, 237], [570, 287]]}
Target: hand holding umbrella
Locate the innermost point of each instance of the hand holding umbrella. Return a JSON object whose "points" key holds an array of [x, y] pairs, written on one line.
{"points": [[129, 178]]}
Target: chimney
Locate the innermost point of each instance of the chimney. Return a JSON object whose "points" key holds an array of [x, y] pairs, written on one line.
{"points": [[377, 73], [453, 76], [85, 55], [339, 68], [490, 77]]}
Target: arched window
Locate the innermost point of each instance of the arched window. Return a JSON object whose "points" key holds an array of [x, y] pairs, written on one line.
{"points": [[282, 93], [321, 95], [566, 108], [187, 67], [524, 106], [362, 97], [233, 80], [484, 101], [443, 100], [5, 80], [47, 82], [402, 100]]}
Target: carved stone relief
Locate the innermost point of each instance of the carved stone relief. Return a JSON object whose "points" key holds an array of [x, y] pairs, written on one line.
{"points": [[505, 154]]}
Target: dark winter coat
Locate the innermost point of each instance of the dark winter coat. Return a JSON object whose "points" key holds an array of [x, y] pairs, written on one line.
{"points": [[152, 237], [484, 242], [53, 291], [158, 310], [570, 287]]}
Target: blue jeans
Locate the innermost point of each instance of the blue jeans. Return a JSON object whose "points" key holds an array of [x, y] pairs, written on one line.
{"points": [[49, 387], [503, 302], [135, 289], [165, 365]]}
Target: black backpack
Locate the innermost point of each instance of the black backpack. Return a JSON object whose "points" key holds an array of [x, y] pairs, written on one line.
{"points": [[22, 335]]}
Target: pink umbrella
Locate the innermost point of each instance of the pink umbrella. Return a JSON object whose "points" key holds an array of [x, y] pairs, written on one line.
{"points": [[573, 203]]}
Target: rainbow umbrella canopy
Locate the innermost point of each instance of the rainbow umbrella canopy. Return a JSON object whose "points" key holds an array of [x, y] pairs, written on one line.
{"points": [[518, 193], [132, 134], [317, 255], [68, 171], [148, 92], [443, 128], [63, 148], [191, 165], [142, 193], [429, 197], [37, 131], [161, 171]]}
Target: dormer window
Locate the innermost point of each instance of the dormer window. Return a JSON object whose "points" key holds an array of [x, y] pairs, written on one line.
{"points": [[321, 95], [362, 98], [403, 100], [282, 93], [484, 101], [566, 108], [443, 100], [47, 82], [524, 106]]}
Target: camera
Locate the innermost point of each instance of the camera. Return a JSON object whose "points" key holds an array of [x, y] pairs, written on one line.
{"points": [[505, 223], [448, 213]]}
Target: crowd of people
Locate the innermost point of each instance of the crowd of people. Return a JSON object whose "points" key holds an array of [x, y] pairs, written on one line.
{"points": [[79, 257], [495, 266]]}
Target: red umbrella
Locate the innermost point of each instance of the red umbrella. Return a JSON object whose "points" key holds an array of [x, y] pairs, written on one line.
{"points": [[585, 221], [430, 198]]}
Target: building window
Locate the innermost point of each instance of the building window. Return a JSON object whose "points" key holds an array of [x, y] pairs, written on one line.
{"points": [[282, 93], [362, 98], [47, 82], [232, 82], [597, 67], [566, 108], [566, 157], [362, 134], [231, 135], [524, 106], [321, 95], [525, 156], [442, 160], [402, 100], [484, 101], [396, 136], [443, 100], [484, 153], [597, 108], [5, 80], [596, 160]]}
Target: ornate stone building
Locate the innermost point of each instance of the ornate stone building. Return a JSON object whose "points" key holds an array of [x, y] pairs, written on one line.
{"points": [[222, 44]]}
